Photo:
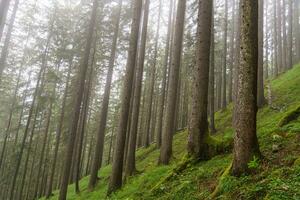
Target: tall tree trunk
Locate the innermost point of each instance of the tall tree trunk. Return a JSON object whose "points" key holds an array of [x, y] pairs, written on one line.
{"points": [[279, 35], [198, 125], [224, 69], [115, 181], [58, 132], [152, 72], [130, 164], [232, 45], [161, 100], [11, 112], [290, 35], [211, 83], [97, 159], [260, 73], [277, 63], [5, 48], [245, 139], [77, 103], [169, 120]]}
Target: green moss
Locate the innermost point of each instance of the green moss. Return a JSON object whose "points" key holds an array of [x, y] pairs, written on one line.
{"points": [[297, 162], [290, 116]]}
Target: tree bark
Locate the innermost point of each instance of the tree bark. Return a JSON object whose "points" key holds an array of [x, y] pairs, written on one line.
{"points": [[260, 74], [198, 125], [245, 139], [115, 181], [224, 68], [211, 83], [169, 120], [77, 103], [97, 158]]}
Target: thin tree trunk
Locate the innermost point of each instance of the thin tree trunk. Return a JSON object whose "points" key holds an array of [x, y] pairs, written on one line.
{"points": [[41, 71], [260, 72], [290, 35], [212, 76], [97, 159], [77, 103], [58, 133], [224, 69]]}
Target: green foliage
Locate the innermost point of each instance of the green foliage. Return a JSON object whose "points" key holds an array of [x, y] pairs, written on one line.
{"points": [[276, 178], [254, 164]]}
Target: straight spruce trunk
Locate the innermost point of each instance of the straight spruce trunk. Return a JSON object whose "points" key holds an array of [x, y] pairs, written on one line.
{"points": [[77, 104], [161, 101], [130, 167], [198, 124], [245, 139], [260, 78], [104, 112], [169, 119], [211, 83], [224, 67], [115, 181]]}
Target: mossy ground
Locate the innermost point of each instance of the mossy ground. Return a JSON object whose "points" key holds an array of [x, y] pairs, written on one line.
{"points": [[277, 177]]}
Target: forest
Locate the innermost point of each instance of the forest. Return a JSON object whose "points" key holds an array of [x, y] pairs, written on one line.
{"points": [[149, 99]]}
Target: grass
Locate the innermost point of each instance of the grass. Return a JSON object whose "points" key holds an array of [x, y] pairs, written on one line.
{"points": [[276, 178]]}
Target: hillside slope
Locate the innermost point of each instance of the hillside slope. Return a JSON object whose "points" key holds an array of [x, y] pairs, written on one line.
{"points": [[276, 177]]}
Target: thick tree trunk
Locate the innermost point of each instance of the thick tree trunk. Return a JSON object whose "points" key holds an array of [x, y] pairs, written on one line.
{"points": [[245, 140], [169, 120], [117, 165], [198, 125], [77, 103]]}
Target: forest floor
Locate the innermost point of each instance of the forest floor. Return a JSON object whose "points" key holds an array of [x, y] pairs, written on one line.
{"points": [[276, 177]]}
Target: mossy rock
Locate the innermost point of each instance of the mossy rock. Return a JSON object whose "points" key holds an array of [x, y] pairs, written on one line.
{"points": [[297, 162], [290, 116]]}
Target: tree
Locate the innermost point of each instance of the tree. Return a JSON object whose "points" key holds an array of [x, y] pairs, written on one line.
{"points": [[96, 164], [224, 63], [130, 167], [260, 75], [152, 73], [198, 125], [162, 97], [245, 139], [169, 120], [211, 82], [77, 103], [115, 181]]}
